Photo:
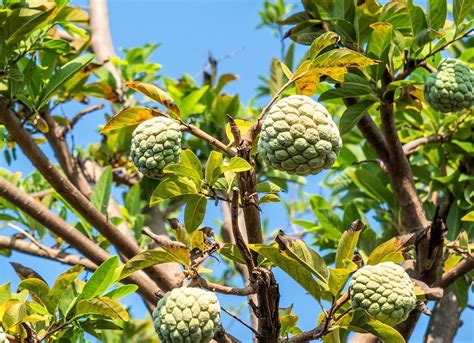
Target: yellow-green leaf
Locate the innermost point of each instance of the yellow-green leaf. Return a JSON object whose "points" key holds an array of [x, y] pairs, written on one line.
{"points": [[103, 306], [156, 94], [128, 117], [469, 217], [392, 250]]}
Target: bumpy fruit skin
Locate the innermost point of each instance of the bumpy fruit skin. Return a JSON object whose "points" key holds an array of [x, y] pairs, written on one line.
{"points": [[155, 144], [384, 291], [299, 136], [187, 315], [3, 337], [451, 88]]}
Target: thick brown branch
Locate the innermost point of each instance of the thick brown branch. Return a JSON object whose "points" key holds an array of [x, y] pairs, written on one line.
{"points": [[371, 133], [463, 267], [68, 233], [45, 252], [72, 195]]}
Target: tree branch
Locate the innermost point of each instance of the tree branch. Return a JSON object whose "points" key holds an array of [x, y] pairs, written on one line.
{"points": [[70, 125], [72, 195], [70, 234], [101, 41], [463, 267], [215, 287], [33, 249], [208, 138]]}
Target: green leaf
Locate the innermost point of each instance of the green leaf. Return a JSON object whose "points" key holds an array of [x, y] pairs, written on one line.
{"points": [[380, 40], [213, 165], [232, 252], [37, 288], [190, 160], [300, 252], [103, 306], [121, 291], [180, 169], [23, 21], [469, 217], [149, 258], [461, 10], [321, 42], [155, 93], [62, 75], [268, 187], [293, 268], [14, 314], [102, 190], [347, 244], [340, 58], [128, 117], [225, 79], [362, 323], [402, 83], [194, 212], [101, 279], [173, 187], [133, 201], [5, 292], [353, 114], [236, 164], [461, 290], [348, 90], [338, 278], [60, 285], [437, 10], [392, 250], [269, 198]]}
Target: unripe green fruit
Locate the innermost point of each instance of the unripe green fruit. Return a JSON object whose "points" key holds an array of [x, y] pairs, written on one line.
{"points": [[299, 136], [3, 336], [385, 291], [450, 89], [187, 315], [155, 144]]}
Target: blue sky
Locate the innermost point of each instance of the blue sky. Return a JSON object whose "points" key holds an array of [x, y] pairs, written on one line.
{"points": [[187, 31]]}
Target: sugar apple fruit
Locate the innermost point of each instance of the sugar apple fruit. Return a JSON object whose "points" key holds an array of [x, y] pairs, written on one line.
{"points": [[3, 336], [451, 88], [299, 136], [187, 315], [384, 290], [155, 144]]}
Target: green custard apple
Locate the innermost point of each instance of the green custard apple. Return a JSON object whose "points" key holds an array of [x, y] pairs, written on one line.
{"points": [[385, 291], [155, 144], [299, 136], [450, 89], [187, 315]]}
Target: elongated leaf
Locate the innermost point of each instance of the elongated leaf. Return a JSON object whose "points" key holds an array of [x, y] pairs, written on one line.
{"points": [[23, 21], [469, 217], [293, 268], [62, 75], [60, 285], [103, 306], [194, 212], [180, 169], [437, 11], [461, 9], [121, 291], [232, 252], [322, 42], [353, 114], [362, 323], [38, 289], [190, 160], [392, 250], [237, 165], [14, 314], [101, 279], [149, 258], [225, 79], [155, 93], [213, 165], [338, 278], [173, 187], [348, 90], [340, 58], [102, 189], [348, 243], [307, 257], [127, 117]]}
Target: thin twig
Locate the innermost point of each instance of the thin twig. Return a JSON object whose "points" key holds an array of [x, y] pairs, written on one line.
{"points": [[241, 322], [162, 240], [70, 125], [208, 138], [200, 282]]}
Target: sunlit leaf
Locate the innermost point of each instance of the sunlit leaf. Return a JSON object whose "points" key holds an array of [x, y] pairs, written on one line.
{"points": [[128, 117], [155, 93], [392, 250], [103, 306], [194, 212]]}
